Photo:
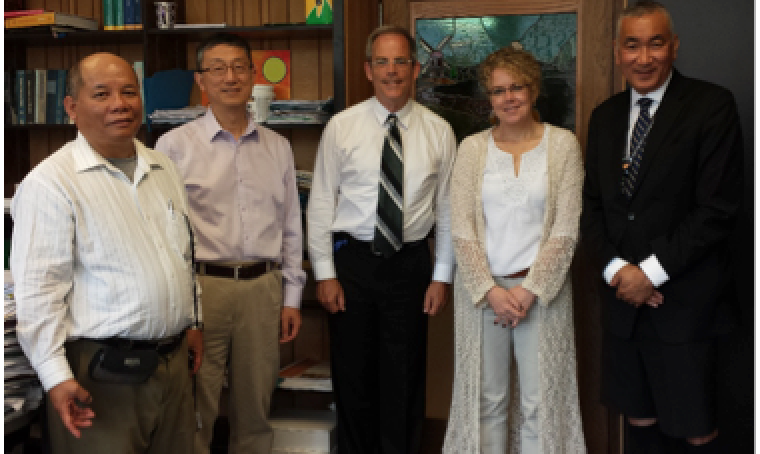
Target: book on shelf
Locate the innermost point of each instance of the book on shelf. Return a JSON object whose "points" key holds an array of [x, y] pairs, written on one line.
{"points": [[52, 18], [119, 15], [50, 92], [109, 15], [30, 89], [36, 96], [19, 89], [23, 12], [40, 96]]}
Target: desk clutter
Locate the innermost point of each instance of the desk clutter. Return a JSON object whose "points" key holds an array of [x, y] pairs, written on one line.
{"points": [[23, 391]]}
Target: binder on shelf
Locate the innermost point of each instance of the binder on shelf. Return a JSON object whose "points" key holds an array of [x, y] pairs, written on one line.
{"points": [[40, 96], [168, 89], [60, 112], [52, 89], [109, 15], [138, 15], [52, 18], [119, 15], [20, 97], [29, 82]]}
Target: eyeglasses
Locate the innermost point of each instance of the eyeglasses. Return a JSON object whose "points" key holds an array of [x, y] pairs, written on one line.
{"points": [[219, 69], [382, 62], [514, 89]]}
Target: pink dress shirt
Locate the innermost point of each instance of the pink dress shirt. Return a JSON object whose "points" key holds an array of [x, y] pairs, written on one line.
{"points": [[242, 196]]}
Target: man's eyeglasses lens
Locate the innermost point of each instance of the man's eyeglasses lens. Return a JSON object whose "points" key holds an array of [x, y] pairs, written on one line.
{"points": [[219, 70], [383, 62], [514, 89]]}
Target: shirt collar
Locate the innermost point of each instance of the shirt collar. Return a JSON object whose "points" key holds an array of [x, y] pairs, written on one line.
{"points": [[404, 114], [212, 128], [655, 96], [85, 157]]}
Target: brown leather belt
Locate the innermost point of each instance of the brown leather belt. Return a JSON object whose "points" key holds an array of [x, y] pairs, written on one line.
{"points": [[242, 272], [522, 273]]}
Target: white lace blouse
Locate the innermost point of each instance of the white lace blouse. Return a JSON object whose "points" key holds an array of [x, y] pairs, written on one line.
{"points": [[513, 206]]}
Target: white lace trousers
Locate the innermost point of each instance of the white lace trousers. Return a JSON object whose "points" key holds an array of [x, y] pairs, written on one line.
{"points": [[497, 349]]}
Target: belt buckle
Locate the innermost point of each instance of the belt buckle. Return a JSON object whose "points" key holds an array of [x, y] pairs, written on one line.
{"points": [[236, 272]]}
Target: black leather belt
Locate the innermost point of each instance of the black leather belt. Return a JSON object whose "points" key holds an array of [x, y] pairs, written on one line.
{"points": [[339, 237], [162, 346], [236, 272]]}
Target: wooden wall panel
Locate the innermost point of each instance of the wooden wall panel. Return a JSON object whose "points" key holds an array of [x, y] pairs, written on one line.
{"points": [[358, 87], [278, 12], [304, 143], [326, 87], [251, 13], [297, 11], [304, 66], [196, 11]]}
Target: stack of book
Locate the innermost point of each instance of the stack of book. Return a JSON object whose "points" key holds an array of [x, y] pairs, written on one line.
{"points": [[300, 111], [35, 96], [306, 375], [57, 22], [23, 392]]}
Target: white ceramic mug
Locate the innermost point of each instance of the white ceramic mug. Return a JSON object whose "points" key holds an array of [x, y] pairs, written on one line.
{"points": [[263, 95]]}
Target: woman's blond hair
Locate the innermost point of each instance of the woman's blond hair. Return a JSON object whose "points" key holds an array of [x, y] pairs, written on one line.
{"points": [[518, 62]]}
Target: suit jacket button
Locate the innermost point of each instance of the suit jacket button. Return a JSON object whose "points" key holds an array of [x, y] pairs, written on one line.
{"points": [[631, 216]]}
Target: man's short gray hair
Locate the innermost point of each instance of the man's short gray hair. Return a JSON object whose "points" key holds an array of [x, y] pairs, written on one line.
{"points": [[643, 8]]}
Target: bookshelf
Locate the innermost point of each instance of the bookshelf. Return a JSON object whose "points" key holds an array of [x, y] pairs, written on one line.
{"points": [[318, 62]]}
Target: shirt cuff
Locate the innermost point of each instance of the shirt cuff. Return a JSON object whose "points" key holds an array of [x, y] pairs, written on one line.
{"points": [[292, 296], [443, 272], [54, 371], [324, 269], [654, 271], [612, 268]]}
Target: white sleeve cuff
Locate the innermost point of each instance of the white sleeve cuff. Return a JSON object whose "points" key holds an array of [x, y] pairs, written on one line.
{"points": [[54, 371], [612, 268], [443, 272], [654, 271], [324, 269]]}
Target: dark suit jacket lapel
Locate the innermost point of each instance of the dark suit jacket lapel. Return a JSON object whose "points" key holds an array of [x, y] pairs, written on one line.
{"points": [[666, 115]]}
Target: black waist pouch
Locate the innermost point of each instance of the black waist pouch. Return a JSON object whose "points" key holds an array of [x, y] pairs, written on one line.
{"points": [[123, 366]]}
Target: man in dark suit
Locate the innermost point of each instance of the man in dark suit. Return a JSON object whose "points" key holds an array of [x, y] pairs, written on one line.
{"points": [[662, 192]]}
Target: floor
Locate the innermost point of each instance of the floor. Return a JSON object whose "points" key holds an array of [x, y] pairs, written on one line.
{"points": [[23, 443]]}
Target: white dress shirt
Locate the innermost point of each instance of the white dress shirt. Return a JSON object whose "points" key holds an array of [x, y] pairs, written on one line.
{"points": [[344, 190], [650, 266], [514, 206], [94, 255], [242, 195]]}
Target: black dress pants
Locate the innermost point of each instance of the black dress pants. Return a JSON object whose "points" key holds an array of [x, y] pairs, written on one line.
{"points": [[378, 348]]}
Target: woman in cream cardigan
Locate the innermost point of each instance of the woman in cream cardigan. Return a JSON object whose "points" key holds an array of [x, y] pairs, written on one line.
{"points": [[516, 200]]}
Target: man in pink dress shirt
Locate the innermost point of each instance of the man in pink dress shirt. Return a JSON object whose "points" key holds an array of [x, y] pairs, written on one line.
{"points": [[241, 186]]}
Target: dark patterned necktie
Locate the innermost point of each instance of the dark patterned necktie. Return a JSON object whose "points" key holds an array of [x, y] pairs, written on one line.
{"points": [[638, 139], [389, 231]]}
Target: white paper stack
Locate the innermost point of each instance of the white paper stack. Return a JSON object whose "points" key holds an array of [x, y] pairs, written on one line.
{"points": [[22, 389], [303, 431]]}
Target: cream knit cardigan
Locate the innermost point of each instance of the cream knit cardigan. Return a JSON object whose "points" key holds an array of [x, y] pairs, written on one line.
{"points": [[559, 413]]}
